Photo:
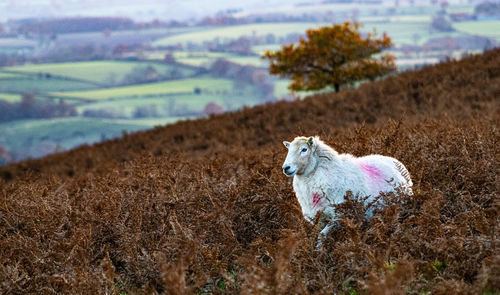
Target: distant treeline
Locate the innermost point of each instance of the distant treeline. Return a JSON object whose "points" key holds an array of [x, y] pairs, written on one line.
{"points": [[487, 8], [87, 24], [245, 75], [76, 25], [30, 108], [483, 9]]}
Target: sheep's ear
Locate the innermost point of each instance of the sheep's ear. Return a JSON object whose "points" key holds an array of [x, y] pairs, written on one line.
{"points": [[310, 141], [286, 143]]}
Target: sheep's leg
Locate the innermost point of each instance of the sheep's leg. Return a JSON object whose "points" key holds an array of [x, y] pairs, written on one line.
{"points": [[322, 235]]}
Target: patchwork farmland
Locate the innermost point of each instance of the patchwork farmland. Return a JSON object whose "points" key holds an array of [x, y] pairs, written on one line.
{"points": [[106, 102], [163, 73]]}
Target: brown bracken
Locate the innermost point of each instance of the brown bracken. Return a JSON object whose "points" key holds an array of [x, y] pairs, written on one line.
{"points": [[203, 207]]}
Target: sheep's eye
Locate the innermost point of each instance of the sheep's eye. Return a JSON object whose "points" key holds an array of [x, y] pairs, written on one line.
{"points": [[303, 150]]}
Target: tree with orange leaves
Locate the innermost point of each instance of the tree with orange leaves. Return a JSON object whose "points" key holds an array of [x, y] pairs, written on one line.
{"points": [[332, 56]]}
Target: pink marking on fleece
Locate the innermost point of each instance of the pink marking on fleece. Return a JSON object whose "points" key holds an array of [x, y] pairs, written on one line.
{"points": [[316, 198], [373, 172]]}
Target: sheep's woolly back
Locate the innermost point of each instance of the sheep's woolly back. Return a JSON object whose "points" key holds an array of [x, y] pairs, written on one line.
{"points": [[324, 151]]}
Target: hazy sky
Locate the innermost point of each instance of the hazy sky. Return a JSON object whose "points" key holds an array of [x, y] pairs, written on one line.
{"points": [[145, 10], [137, 9]]}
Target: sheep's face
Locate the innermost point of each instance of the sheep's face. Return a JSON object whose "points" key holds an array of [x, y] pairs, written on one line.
{"points": [[299, 157]]}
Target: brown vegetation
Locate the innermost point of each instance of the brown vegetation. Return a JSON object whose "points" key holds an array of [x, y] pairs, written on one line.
{"points": [[203, 206]]}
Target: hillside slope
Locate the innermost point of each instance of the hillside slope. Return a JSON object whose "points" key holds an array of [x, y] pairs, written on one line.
{"points": [[456, 89], [202, 206]]}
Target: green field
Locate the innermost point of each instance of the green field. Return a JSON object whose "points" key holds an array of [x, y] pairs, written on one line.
{"points": [[199, 54], [200, 59], [126, 33], [10, 97], [37, 138], [43, 85], [149, 122], [249, 60], [397, 18], [336, 8], [485, 28], [64, 132], [400, 28], [261, 49], [102, 72], [400, 32], [339, 10], [16, 43], [169, 87], [233, 32], [4, 75], [460, 8], [205, 59], [196, 61], [281, 88], [170, 104], [126, 106]]}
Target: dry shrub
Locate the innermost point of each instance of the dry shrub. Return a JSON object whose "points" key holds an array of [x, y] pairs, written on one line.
{"points": [[203, 207]]}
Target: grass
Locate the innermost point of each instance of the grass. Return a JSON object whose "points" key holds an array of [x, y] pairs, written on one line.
{"points": [[169, 87], [4, 75], [124, 106], [173, 103], [150, 122], [126, 33], [36, 138], [200, 59], [102, 72], [281, 88], [249, 60], [322, 8], [204, 59], [196, 61], [397, 18], [198, 54], [43, 85], [233, 32], [404, 32], [16, 43], [485, 28], [10, 97], [261, 49], [460, 9], [65, 132], [400, 32]]}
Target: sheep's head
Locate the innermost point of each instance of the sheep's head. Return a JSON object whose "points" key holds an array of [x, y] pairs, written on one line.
{"points": [[300, 156]]}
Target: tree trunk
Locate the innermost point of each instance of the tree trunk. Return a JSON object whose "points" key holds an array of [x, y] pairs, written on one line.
{"points": [[337, 87]]}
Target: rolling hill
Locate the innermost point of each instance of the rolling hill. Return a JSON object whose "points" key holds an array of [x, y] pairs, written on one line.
{"points": [[100, 72], [203, 207]]}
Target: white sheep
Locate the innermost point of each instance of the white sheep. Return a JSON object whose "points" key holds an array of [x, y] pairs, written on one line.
{"points": [[322, 177]]}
